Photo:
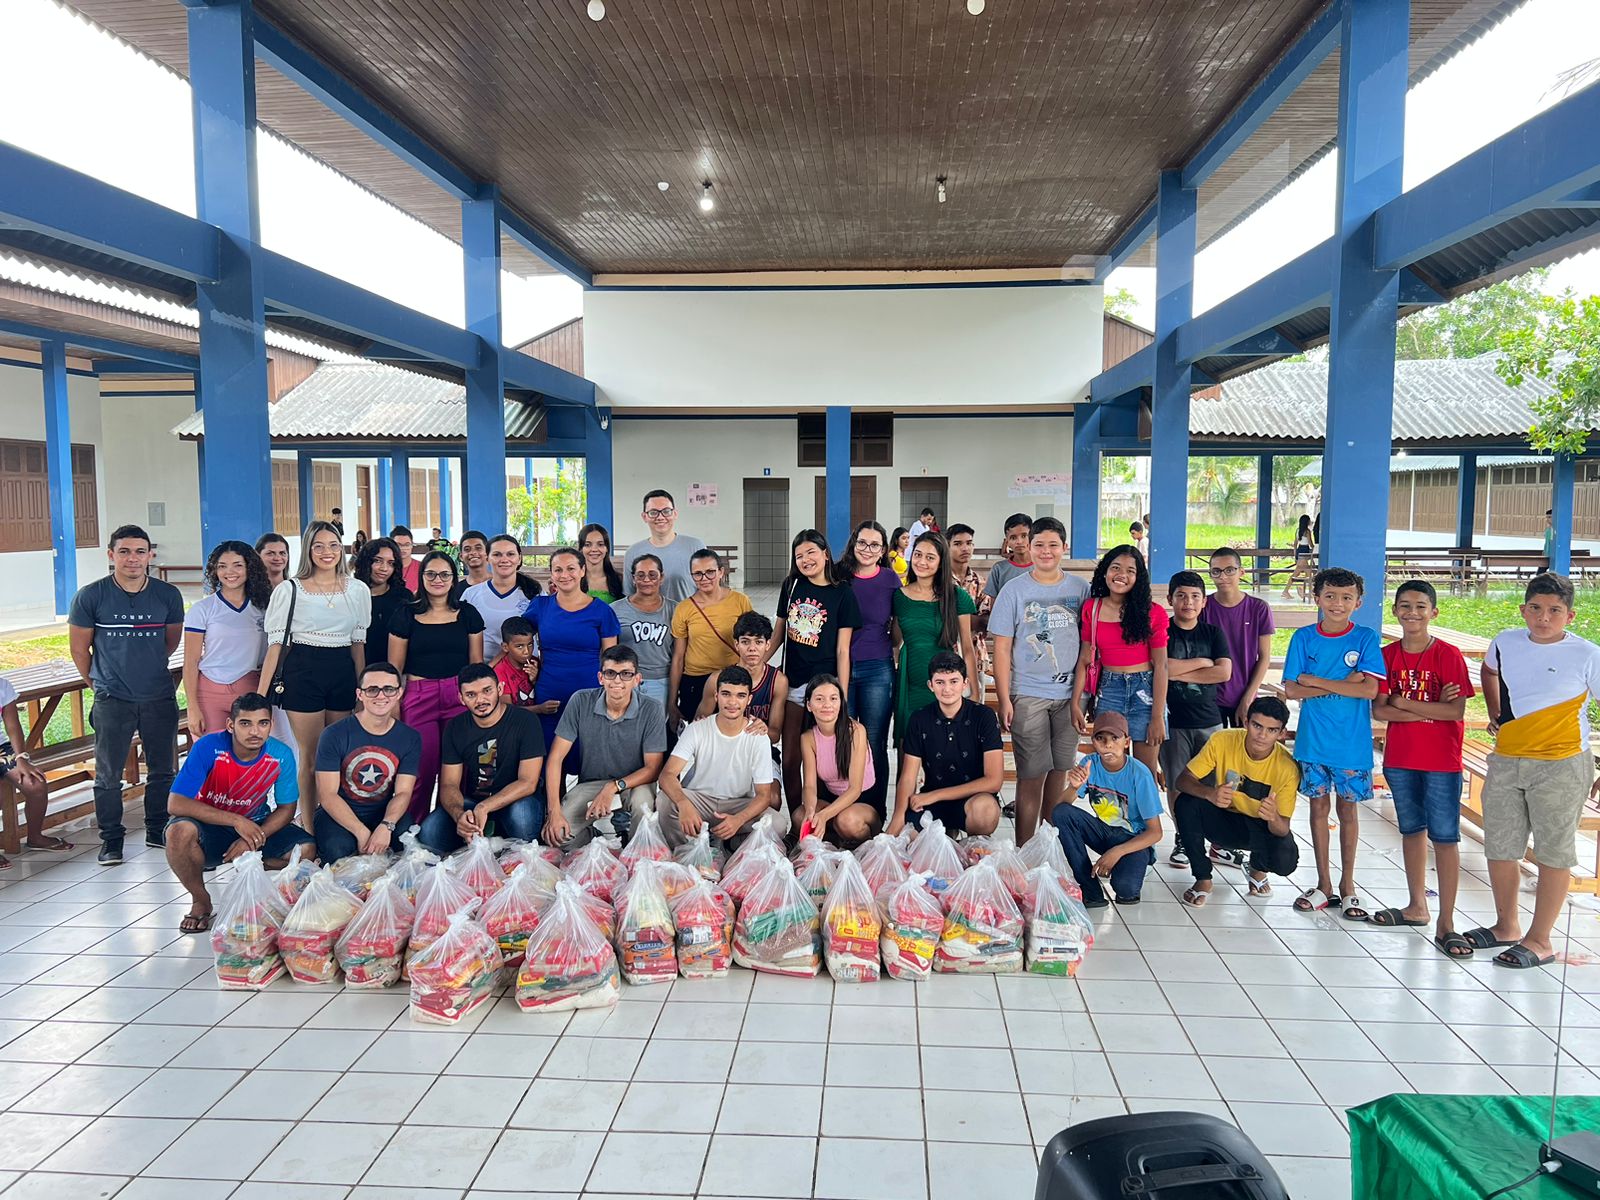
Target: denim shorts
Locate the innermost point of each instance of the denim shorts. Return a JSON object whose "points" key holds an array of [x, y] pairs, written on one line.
{"points": [[1428, 800], [217, 840], [1131, 694], [1344, 783]]}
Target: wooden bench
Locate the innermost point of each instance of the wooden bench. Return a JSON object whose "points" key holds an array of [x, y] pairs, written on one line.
{"points": [[166, 571], [1471, 645]]}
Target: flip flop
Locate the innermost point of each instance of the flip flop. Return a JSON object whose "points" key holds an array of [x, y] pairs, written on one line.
{"points": [[1520, 958], [1354, 910], [1483, 938], [1258, 887], [53, 846], [1195, 898], [1453, 945], [194, 922], [1314, 900], [1390, 917]]}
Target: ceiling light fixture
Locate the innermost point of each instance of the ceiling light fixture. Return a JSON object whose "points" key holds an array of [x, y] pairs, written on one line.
{"points": [[706, 202], [597, 10], [975, 7], [663, 185], [939, 189]]}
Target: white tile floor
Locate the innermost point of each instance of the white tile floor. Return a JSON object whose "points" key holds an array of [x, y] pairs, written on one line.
{"points": [[126, 1072]]}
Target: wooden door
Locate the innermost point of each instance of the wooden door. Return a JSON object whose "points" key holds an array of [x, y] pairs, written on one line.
{"points": [[863, 502]]}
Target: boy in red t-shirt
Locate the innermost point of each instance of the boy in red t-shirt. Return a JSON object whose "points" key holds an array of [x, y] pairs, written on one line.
{"points": [[1426, 700], [517, 666]]}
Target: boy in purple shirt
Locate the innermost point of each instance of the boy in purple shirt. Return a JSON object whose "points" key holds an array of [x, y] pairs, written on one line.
{"points": [[1246, 623]]}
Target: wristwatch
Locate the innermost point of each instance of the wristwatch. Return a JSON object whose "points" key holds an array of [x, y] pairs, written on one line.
{"points": [[391, 826], [620, 784]]}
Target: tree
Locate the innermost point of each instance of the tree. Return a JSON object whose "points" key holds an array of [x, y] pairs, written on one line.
{"points": [[1559, 344], [1120, 302], [1227, 482], [1471, 325], [552, 509]]}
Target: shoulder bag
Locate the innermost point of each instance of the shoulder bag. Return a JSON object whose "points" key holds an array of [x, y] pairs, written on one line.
{"points": [[276, 688]]}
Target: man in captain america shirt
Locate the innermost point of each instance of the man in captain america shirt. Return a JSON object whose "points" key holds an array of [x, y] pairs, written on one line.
{"points": [[366, 770], [235, 792]]}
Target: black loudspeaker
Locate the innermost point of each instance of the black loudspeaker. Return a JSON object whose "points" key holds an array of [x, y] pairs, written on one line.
{"points": [[1155, 1156]]}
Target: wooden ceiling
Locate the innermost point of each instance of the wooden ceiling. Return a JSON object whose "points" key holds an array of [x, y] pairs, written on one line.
{"points": [[822, 124]]}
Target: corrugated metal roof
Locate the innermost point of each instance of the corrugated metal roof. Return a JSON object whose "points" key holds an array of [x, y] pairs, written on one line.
{"points": [[369, 400], [1434, 400], [1402, 463]]}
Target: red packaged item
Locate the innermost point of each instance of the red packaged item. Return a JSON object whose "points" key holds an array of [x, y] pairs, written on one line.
{"points": [[850, 926], [982, 926], [881, 863], [440, 893], [371, 947], [514, 851], [567, 964], [244, 934], [912, 924], [935, 855], [475, 863], [705, 932], [807, 850], [1043, 849], [415, 861], [744, 871], [358, 872], [646, 938], [777, 928], [818, 873], [698, 854], [513, 913], [457, 973], [975, 848], [763, 833], [598, 871], [312, 928], [296, 873], [646, 844]]}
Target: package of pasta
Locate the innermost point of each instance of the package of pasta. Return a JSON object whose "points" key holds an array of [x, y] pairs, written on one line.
{"points": [[371, 947], [1008, 863], [1043, 849], [598, 871], [567, 963], [1057, 929], [850, 926], [513, 913], [745, 870], [705, 932], [818, 874], [440, 894], [935, 855], [479, 869], [415, 861], [777, 928], [982, 926], [515, 850], [291, 880], [311, 930], [244, 933], [763, 833], [912, 924], [699, 855], [881, 863], [646, 843], [646, 939], [356, 873], [458, 972]]}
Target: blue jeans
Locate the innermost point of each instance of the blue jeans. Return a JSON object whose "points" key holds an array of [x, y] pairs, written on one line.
{"points": [[1428, 800], [871, 701], [1128, 693], [115, 722], [521, 819], [1081, 831]]}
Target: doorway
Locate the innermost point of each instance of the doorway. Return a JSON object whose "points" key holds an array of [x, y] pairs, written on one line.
{"points": [[365, 518], [766, 531], [863, 503], [924, 491]]}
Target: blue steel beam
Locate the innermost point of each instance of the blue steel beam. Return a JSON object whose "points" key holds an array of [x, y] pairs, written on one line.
{"points": [[483, 474], [1300, 284], [1563, 479], [306, 478], [1132, 238], [1466, 499], [598, 478], [445, 498], [1264, 464], [836, 487], [385, 521], [1584, 197], [1259, 345], [523, 371], [1085, 514], [1132, 373], [1169, 392], [148, 357], [400, 499], [58, 469], [1277, 85], [1534, 166]]}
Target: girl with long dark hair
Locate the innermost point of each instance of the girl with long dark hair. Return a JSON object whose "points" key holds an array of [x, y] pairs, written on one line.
{"points": [[600, 578], [930, 614], [377, 564], [871, 690], [573, 628], [1125, 632], [837, 768], [1305, 557], [899, 549], [224, 637], [702, 635], [504, 594]]}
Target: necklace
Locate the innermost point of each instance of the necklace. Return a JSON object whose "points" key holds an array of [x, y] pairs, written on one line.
{"points": [[1412, 667], [144, 582]]}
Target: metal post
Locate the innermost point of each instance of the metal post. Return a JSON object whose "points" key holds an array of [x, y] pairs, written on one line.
{"points": [[445, 488], [1085, 515], [385, 516], [400, 495], [527, 475], [237, 482], [1563, 481], [58, 466], [483, 473], [1371, 135], [836, 488], [1263, 514], [597, 468], [1169, 396], [1466, 499], [200, 468], [306, 471]]}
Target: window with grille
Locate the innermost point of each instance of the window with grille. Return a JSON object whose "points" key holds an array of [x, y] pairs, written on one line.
{"points": [[871, 440]]}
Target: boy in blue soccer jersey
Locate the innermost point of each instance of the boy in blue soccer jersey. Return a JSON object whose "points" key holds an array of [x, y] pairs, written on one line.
{"points": [[1335, 669]]}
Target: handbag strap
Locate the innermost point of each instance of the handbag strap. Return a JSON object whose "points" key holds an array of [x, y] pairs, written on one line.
{"points": [[712, 627], [288, 625]]}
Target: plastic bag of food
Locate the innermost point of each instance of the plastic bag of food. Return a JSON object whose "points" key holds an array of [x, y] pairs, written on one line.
{"points": [[567, 963], [415, 861], [881, 863], [935, 855], [646, 844], [244, 934], [646, 938], [675, 878], [975, 848], [850, 926], [371, 947], [457, 973], [531, 855], [698, 854], [440, 894], [295, 874], [743, 872], [1008, 863], [312, 928], [912, 925], [705, 932], [818, 874], [515, 850], [763, 833], [356, 873], [1058, 930], [807, 849], [598, 871], [598, 911], [513, 913], [479, 869], [1043, 849], [777, 928], [982, 926]]}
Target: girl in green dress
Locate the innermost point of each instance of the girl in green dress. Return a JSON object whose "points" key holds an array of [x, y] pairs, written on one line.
{"points": [[929, 614], [600, 578]]}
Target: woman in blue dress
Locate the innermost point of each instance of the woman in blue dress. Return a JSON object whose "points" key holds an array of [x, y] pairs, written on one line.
{"points": [[573, 627]]}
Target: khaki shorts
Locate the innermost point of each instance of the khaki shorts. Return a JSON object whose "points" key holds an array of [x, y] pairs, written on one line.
{"points": [[1043, 738], [1534, 795]]}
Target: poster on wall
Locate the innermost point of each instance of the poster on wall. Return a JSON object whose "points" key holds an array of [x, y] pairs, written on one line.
{"points": [[1055, 486], [702, 495]]}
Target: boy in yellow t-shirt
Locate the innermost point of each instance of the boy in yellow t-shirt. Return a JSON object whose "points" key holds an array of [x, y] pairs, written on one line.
{"points": [[1238, 793]]}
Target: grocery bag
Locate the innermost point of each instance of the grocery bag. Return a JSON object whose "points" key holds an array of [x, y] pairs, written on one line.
{"points": [[698, 854], [371, 947], [982, 926], [515, 850], [705, 932], [912, 925], [1043, 849], [743, 871], [881, 863], [646, 843], [244, 933], [934, 854], [777, 928], [356, 873], [598, 871], [646, 939], [763, 833], [513, 913], [415, 861], [975, 848], [440, 894], [817, 875], [296, 873], [457, 972], [807, 849], [1058, 930], [567, 963], [850, 926], [479, 869], [312, 928], [542, 868], [1007, 862]]}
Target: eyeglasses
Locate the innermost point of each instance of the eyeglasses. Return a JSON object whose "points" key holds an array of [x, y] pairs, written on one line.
{"points": [[438, 576], [711, 574], [618, 676], [658, 514], [866, 545], [1223, 572], [372, 693]]}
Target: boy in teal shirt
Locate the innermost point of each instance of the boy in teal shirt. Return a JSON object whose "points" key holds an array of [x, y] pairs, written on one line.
{"points": [[1122, 823]]}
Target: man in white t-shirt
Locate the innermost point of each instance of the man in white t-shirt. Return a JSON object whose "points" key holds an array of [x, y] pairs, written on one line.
{"points": [[720, 772]]}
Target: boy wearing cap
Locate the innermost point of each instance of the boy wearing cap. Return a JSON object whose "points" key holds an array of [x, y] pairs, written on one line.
{"points": [[1122, 823]]}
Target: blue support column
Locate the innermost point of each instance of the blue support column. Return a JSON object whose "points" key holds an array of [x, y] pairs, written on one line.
{"points": [[1466, 499], [385, 517], [1563, 484], [1169, 396], [306, 474], [400, 495], [445, 488], [58, 466], [1085, 515], [1355, 462], [237, 481], [597, 470], [483, 474], [836, 457], [1263, 511], [206, 538]]}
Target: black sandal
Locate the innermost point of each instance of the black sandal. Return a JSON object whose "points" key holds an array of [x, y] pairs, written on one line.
{"points": [[194, 922], [1453, 945], [1483, 938], [1520, 958]]}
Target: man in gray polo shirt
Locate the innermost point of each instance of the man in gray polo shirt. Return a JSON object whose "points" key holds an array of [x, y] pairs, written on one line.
{"points": [[622, 742]]}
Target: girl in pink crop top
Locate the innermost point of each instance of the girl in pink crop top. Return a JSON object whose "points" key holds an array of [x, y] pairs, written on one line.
{"points": [[831, 792], [1124, 634]]}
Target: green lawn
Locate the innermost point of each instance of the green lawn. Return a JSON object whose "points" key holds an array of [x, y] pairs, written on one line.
{"points": [[28, 652]]}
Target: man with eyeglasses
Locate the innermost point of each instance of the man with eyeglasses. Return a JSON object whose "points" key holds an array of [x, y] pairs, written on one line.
{"points": [[1246, 622], [673, 549], [366, 770], [623, 737]]}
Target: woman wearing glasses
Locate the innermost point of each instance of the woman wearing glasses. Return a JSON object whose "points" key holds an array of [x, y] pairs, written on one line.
{"points": [[702, 629], [871, 652], [366, 770], [645, 618], [430, 640], [573, 628]]}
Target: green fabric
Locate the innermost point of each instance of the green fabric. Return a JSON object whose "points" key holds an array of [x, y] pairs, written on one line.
{"points": [[920, 628], [1458, 1147]]}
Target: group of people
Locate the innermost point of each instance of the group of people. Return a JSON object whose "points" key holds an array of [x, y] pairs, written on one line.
{"points": [[368, 693]]}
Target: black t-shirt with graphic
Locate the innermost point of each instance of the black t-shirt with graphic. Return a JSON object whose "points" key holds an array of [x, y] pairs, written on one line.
{"points": [[812, 617], [368, 763], [490, 757], [1194, 705]]}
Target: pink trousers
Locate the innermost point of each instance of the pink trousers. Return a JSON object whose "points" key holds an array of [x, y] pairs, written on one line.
{"points": [[428, 705]]}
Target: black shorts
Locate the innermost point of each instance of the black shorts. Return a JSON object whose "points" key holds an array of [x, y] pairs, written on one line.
{"points": [[318, 679], [952, 814]]}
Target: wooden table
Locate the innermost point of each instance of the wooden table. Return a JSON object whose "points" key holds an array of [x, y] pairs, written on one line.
{"points": [[1471, 645]]}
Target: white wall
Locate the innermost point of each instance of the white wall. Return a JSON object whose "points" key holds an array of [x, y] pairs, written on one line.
{"points": [[867, 348], [145, 464]]}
